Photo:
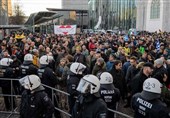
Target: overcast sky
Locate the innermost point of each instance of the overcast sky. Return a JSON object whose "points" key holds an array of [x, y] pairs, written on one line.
{"points": [[31, 6]]}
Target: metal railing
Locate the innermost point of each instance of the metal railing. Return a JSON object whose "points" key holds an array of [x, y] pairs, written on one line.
{"points": [[54, 90]]}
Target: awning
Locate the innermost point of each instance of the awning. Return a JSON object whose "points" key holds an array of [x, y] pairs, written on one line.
{"points": [[76, 10], [11, 26], [42, 16]]}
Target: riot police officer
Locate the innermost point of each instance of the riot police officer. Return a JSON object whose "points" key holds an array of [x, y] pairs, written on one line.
{"points": [[74, 76], [28, 67], [108, 92], [46, 74], [89, 104], [49, 78], [147, 104], [35, 103], [6, 72]]}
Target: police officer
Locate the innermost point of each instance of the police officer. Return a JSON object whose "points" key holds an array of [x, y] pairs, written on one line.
{"points": [[108, 92], [74, 76], [35, 103], [49, 78], [28, 67], [46, 74], [89, 104], [6, 72], [147, 104], [15, 65]]}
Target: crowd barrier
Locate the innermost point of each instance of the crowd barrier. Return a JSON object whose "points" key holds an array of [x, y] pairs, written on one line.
{"points": [[15, 111]]}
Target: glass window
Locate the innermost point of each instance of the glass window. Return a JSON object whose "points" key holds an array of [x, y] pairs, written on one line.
{"points": [[155, 9]]}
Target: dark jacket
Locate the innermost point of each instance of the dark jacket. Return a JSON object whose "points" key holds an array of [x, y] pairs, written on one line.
{"points": [[47, 76], [6, 72], [72, 83], [137, 82], [28, 69], [131, 73], [158, 73], [119, 81], [89, 107], [149, 109], [36, 105], [111, 96], [126, 66]]}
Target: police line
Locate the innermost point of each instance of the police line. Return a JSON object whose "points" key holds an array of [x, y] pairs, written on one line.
{"points": [[14, 111]]}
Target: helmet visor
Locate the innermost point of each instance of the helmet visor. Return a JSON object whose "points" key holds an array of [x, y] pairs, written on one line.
{"points": [[25, 82], [84, 86]]}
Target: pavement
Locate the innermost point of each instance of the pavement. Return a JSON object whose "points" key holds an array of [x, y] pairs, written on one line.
{"points": [[3, 111]]}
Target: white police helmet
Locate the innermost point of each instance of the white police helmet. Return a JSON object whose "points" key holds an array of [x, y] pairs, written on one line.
{"points": [[30, 82], [44, 60], [77, 68], [89, 84], [106, 78], [6, 61], [151, 89], [28, 57]]}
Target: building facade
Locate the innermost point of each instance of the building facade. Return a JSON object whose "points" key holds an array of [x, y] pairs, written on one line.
{"points": [[75, 4], [5, 6], [111, 14], [79, 13], [153, 15]]}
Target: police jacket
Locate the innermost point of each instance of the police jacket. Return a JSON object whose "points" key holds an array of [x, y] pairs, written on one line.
{"points": [[72, 83], [6, 72], [149, 108], [89, 107], [28, 69], [36, 105], [47, 76], [110, 95]]}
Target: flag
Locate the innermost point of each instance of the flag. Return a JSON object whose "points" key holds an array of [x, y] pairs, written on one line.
{"points": [[65, 29]]}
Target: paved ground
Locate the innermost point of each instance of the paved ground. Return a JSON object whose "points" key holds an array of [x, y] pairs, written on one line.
{"points": [[127, 111]]}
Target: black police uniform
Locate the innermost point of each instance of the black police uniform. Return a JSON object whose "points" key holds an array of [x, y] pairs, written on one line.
{"points": [[28, 68], [6, 72], [49, 78], [72, 83], [15, 65], [111, 96], [36, 105], [89, 106], [149, 108]]}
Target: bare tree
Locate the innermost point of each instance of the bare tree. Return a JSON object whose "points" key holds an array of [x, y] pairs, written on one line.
{"points": [[19, 17]]}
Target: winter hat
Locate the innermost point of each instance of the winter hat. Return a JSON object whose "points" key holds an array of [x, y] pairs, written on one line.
{"points": [[101, 60], [158, 62]]}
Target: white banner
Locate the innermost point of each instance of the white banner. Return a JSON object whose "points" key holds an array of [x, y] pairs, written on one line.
{"points": [[65, 29]]}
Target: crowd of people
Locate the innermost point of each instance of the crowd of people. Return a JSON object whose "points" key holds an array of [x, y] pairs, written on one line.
{"points": [[97, 70]]}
